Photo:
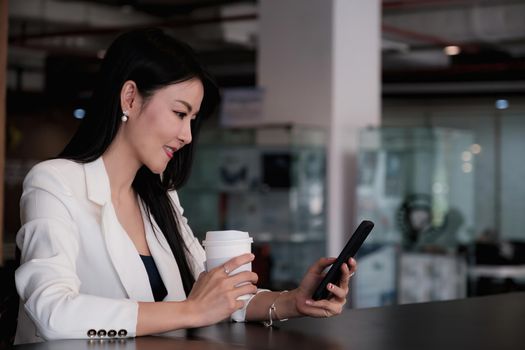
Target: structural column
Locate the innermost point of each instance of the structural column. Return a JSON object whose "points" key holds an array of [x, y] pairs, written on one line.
{"points": [[319, 65]]}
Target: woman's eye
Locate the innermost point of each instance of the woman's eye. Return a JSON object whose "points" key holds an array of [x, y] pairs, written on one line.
{"points": [[181, 115]]}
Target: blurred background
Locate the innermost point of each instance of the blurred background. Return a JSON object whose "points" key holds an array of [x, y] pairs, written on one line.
{"points": [[407, 113]]}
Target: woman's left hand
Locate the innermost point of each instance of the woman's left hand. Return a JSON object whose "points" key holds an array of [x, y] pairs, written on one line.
{"points": [[335, 303]]}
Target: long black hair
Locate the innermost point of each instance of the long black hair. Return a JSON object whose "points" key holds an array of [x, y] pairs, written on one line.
{"points": [[152, 60]]}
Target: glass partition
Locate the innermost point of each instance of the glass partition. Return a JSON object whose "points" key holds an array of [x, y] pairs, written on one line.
{"points": [[417, 185], [269, 181]]}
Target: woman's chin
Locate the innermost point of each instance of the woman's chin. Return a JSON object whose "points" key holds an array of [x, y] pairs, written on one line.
{"points": [[157, 169]]}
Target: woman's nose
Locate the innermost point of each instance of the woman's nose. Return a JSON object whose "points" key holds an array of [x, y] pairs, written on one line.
{"points": [[185, 134]]}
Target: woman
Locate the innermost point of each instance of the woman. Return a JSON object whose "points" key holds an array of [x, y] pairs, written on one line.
{"points": [[106, 251]]}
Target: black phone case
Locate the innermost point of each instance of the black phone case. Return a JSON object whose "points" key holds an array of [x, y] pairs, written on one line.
{"points": [[350, 249]]}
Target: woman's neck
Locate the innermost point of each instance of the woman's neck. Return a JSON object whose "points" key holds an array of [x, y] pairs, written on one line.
{"points": [[121, 165]]}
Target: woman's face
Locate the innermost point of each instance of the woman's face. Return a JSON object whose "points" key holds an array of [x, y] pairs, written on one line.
{"points": [[162, 125]]}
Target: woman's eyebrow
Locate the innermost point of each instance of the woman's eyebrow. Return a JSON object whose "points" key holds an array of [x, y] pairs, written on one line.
{"points": [[188, 106]]}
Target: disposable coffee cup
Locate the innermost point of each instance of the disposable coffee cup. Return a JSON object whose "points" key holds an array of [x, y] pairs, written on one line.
{"points": [[221, 246]]}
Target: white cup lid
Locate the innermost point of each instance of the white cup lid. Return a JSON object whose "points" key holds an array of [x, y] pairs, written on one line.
{"points": [[233, 242], [227, 235]]}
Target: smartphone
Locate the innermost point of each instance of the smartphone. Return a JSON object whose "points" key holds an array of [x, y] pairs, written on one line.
{"points": [[352, 246]]}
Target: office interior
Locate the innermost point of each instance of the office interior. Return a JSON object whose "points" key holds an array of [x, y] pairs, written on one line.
{"points": [[407, 113]]}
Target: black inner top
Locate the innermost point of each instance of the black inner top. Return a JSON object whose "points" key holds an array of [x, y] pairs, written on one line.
{"points": [[157, 286]]}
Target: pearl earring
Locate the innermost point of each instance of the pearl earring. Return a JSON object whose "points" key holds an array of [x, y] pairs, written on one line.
{"points": [[124, 117]]}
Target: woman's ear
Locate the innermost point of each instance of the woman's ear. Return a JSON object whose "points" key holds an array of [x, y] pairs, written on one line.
{"points": [[128, 96]]}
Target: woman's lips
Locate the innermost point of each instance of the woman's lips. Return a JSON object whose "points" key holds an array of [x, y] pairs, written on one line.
{"points": [[169, 151]]}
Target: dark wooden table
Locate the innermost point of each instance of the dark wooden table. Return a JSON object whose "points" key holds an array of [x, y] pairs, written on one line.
{"points": [[493, 322]]}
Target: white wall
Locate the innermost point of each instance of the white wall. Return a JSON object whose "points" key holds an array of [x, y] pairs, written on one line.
{"points": [[294, 63]]}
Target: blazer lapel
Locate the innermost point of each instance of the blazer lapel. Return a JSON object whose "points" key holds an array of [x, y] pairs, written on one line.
{"points": [[164, 259], [120, 248]]}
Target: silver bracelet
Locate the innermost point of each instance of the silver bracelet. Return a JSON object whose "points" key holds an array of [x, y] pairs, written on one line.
{"points": [[273, 310]]}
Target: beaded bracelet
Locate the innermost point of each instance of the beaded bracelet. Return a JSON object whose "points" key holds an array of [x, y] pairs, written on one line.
{"points": [[273, 310]]}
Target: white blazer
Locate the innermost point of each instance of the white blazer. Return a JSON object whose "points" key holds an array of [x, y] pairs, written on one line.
{"points": [[80, 272]]}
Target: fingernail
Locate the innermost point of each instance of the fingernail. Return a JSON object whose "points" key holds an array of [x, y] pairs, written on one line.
{"points": [[309, 302], [330, 286]]}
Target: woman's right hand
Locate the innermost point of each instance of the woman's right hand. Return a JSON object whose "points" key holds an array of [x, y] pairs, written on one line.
{"points": [[214, 295]]}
